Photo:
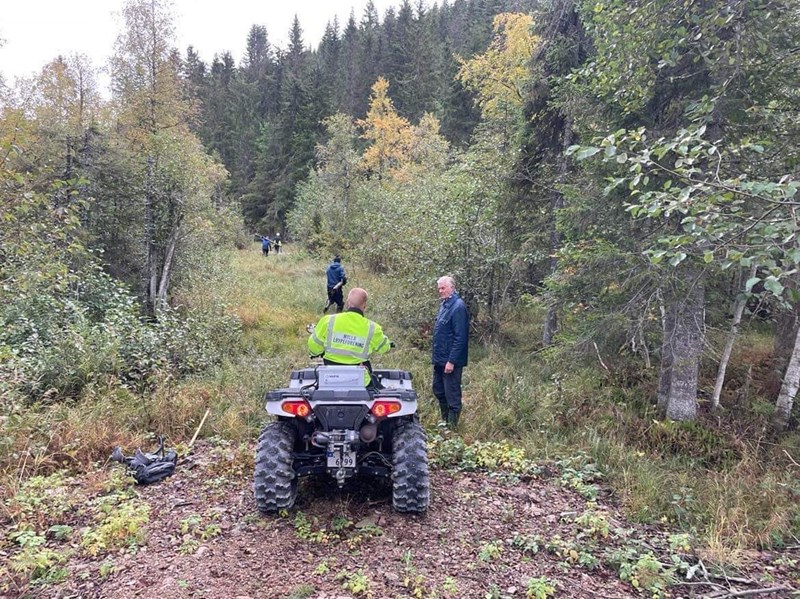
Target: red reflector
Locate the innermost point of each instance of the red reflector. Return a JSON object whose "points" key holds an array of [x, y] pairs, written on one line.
{"points": [[382, 408], [296, 408]]}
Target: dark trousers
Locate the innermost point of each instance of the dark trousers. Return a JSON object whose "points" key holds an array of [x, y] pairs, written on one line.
{"points": [[447, 389], [335, 297]]}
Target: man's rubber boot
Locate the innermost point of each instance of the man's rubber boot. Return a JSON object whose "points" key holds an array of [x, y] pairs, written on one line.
{"points": [[444, 411], [452, 419]]}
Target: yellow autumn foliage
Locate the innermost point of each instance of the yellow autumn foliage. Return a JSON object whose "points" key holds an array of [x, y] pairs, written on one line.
{"points": [[390, 134], [398, 149], [499, 75]]}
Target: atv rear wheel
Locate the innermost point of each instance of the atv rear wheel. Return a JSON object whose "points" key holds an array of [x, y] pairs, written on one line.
{"points": [[411, 488], [275, 480]]}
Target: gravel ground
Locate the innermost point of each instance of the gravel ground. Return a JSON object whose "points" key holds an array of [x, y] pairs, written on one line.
{"points": [[484, 536]]}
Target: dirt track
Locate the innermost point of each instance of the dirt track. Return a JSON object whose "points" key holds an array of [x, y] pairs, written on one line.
{"points": [[479, 539]]}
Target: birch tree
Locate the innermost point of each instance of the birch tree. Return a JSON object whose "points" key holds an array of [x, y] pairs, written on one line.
{"points": [[153, 117], [691, 99], [738, 311], [791, 382]]}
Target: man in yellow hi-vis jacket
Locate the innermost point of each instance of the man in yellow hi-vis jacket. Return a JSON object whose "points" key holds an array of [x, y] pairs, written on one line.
{"points": [[348, 338]]}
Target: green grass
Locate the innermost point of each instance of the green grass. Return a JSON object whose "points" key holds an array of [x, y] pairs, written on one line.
{"points": [[723, 484]]}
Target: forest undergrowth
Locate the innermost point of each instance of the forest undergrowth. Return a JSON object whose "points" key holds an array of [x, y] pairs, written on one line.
{"points": [[725, 480]]}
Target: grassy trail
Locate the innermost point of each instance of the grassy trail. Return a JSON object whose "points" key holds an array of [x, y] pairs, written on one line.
{"points": [[545, 493], [277, 296], [730, 492]]}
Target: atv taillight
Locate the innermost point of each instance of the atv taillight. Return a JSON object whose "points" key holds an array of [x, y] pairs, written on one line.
{"points": [[382, 408], [296, 408]]}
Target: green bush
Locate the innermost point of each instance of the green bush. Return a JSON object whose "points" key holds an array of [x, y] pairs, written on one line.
{"points": [[84, 327]]}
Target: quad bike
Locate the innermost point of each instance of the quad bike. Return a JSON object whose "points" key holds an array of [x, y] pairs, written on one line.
{"points": [[328, 424]]}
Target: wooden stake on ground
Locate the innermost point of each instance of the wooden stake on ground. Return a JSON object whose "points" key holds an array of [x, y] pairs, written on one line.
{"points": [[208, 411]]}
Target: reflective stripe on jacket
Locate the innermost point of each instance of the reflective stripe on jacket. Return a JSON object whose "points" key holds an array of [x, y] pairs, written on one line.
{"points": [[347, 338]]}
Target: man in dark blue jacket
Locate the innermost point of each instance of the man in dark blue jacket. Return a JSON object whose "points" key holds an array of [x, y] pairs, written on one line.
{"points": [[450, 349], [336, 280]]}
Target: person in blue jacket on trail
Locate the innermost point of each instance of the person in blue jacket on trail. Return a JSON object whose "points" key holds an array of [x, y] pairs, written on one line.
{"points": [[265, 243], [336, 280], [450, 350]]}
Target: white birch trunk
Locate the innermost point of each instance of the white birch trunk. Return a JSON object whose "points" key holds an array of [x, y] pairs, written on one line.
{"points": [[738, 310], [791, 382], [166, 272], [687, 346]]}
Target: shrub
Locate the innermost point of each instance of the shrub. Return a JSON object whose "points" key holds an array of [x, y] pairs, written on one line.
{"points": [[57, 344]]}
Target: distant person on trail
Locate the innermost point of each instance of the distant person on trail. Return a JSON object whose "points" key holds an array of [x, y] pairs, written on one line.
{"points": [[265, 243], [336, 280], [277, 243], [450, 349], [349, 338]]}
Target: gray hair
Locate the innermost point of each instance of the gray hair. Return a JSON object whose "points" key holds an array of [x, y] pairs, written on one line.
{"points": [[448, 280]]}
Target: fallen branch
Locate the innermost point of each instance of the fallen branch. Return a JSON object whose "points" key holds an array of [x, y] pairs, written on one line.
{"points": [[751, 592], [730, 579], [791, 459], [597, 349], [701, 583], [727, 592]]}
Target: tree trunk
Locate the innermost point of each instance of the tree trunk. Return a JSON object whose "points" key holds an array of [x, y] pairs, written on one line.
{"points": [[169, 261], [743, 395], [791, 381], [786, 327], [151, 274], [68, 162], [490, 299], [687, 345], [665, 376], [551, 320], [785, 332], [738, 310], [550, 325]]}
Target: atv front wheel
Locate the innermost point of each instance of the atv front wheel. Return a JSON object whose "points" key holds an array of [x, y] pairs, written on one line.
{"points": [[411, 487], [275, 480]]}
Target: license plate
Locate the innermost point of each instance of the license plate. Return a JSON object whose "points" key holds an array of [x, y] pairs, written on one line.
{"points": [[338, 459]]}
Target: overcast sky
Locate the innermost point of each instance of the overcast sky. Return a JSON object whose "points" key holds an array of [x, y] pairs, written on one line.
{"points": [[36, 31]]}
